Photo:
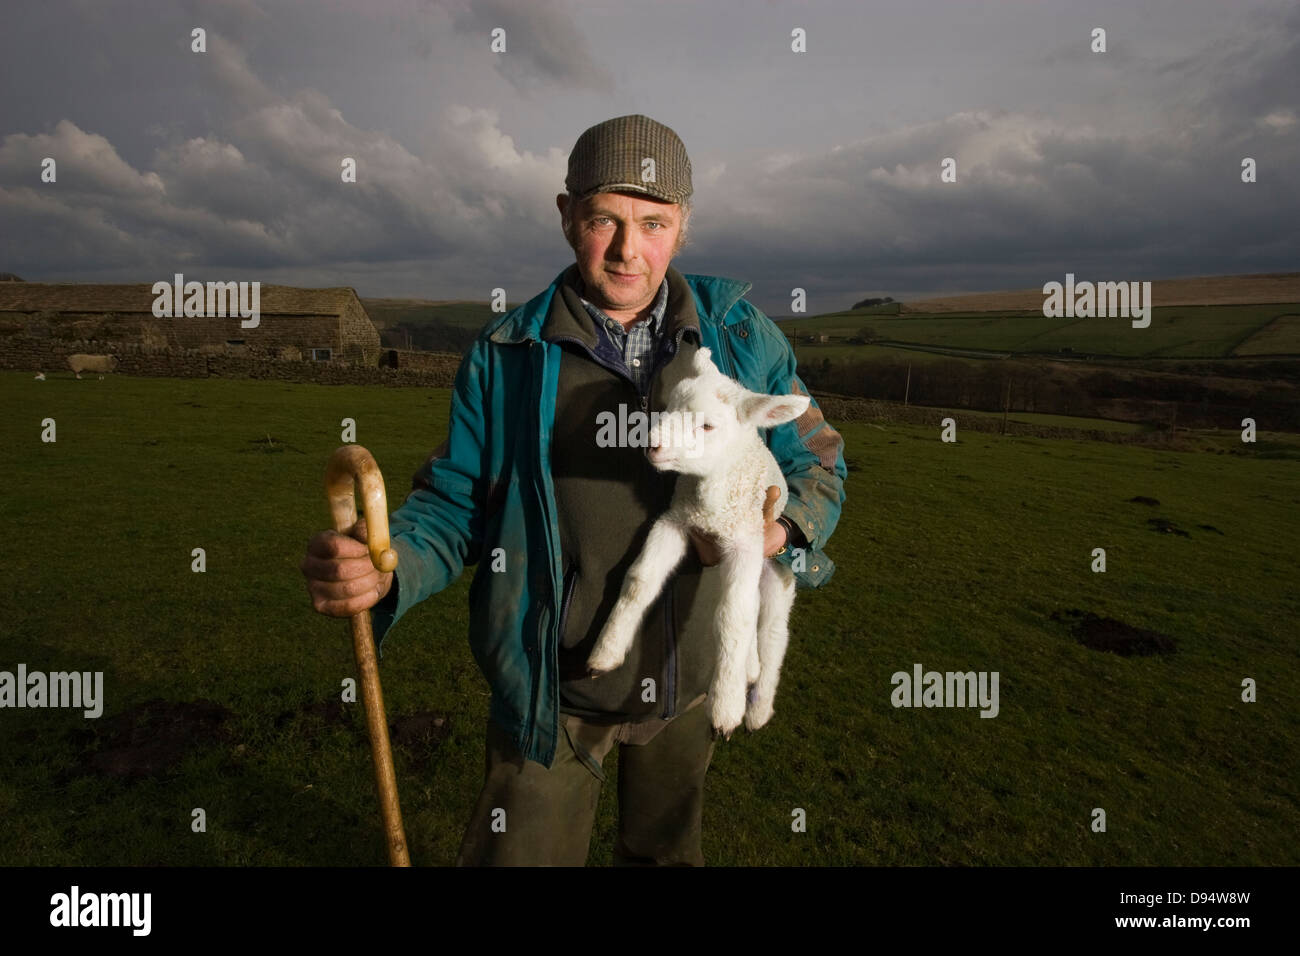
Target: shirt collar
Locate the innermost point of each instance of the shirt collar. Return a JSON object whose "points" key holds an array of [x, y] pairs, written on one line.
{"points": [[655, 318]]}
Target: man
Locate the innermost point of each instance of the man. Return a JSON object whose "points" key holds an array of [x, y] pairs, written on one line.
{"points": [[528, 486]]}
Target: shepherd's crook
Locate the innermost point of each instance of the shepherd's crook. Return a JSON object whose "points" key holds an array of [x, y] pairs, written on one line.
{"points": [[349, 466]]}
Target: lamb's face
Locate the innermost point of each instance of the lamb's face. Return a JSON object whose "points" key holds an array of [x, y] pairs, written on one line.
{"points": [[710, 419]]}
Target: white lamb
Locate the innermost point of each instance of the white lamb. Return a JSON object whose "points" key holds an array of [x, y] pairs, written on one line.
{"points": [[709, 434]]}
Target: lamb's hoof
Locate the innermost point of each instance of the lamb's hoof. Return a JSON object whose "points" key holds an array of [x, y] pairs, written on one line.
{"points": [[593, 673], [727, 708], [719, 733], [757, 714]]}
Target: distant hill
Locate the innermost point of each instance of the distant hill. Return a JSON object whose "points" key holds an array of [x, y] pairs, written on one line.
{"points": [[1261, 289], [432, 325], [452, 311]]}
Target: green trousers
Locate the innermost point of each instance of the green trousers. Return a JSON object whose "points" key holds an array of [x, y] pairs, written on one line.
{"points": [[527, 815]]}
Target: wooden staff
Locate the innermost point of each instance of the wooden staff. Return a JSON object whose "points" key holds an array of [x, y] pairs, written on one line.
{"points": [[348, 467]]}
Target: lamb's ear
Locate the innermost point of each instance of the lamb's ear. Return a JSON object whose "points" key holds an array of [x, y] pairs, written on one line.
{"points": [[765, 411], [703, 361]]}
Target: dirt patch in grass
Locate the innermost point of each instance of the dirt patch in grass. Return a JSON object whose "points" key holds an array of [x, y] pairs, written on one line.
{"points": [[420, 735], [1107, 634], [1165, 526], [151, 738]]}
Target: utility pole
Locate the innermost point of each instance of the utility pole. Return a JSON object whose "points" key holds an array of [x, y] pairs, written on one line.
{"points": [[907, 390]]}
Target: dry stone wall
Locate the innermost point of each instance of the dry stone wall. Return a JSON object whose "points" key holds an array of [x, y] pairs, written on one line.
{"points": [[35, 353]]}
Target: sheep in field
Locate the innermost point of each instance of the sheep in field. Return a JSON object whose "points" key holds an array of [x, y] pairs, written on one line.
{"points": [[709, 435], [91, 363]]}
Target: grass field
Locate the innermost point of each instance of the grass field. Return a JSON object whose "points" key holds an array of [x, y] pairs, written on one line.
{"points": [[953, 556], [1175, 332], [1279, 337], [1193, 290], [1063, 421]]}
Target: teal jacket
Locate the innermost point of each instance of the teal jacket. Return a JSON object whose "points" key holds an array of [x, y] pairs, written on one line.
{"points": [[486, 493]]}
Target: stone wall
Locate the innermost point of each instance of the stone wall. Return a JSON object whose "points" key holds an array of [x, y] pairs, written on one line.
{"points": [[31, 353], [350, 338], [418, 361]]}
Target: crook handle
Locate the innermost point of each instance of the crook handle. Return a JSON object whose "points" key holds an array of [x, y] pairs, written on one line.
{"points": [[349, 466]]}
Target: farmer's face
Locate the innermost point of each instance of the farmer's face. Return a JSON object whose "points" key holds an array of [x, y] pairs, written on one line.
{"points": [[624, 243]]}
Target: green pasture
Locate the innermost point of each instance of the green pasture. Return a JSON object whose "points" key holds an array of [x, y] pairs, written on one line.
{"points": [[837, 354], [1062, 421], [1279, 337], [1174, 332], [954, 556]]}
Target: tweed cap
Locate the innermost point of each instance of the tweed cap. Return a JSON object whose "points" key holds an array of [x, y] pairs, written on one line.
{"points": [[610, 156]]}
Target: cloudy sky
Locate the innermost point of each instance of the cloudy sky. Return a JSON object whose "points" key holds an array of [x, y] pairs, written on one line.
{"points": [[818, 170]]}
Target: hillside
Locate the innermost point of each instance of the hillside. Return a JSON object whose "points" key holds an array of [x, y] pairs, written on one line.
{"points": [[1200, 290], [446, 325], [1203, 332]]}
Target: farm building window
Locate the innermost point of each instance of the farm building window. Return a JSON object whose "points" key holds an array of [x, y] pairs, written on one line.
{"points": [[321, 355], [234, 341]]}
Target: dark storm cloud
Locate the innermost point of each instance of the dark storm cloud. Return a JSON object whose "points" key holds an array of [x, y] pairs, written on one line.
{"points": [[542, 42], [1123, 166]]}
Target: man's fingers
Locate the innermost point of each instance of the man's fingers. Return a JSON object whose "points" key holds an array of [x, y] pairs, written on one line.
{"points": [[331, 544], [356, 587], [346, 598], [341, 579], [769, 506], [337, 569], [345, 607]]}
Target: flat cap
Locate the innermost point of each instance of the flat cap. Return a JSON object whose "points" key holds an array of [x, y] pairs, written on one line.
{"points": [[613, 156]]}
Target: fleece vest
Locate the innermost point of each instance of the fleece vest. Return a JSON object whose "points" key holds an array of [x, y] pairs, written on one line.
{"points": [[607, 498]]}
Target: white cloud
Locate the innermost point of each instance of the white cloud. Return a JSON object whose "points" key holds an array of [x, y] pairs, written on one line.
{"points": [[1278, 121], [85, 163]]}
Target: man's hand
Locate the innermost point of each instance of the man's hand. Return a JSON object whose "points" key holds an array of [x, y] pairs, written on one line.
{"points": [[341, 579], [774, 534]]}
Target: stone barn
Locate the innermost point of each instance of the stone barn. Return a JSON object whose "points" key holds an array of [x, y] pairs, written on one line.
{"points": [[323, 325]]}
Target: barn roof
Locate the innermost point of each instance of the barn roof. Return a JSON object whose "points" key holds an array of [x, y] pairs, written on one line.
{"points": [[88, 297]]}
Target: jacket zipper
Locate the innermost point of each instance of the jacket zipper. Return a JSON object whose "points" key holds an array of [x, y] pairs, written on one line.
{"points": [[670, 630], [622, 373], [531, 726], [567, 599]]}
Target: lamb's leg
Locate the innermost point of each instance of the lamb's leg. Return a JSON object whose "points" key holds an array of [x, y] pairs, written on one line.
{"points": [[776, 598], [664, 548], [736, 623]]}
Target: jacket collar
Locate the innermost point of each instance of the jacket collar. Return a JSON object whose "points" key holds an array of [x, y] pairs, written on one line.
{"points": [[558, 311]]}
